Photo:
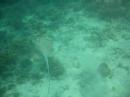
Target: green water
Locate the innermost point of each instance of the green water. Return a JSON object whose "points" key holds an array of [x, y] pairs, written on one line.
{"points": [[64, 48]]}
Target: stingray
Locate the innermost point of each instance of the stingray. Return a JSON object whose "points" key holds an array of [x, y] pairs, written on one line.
{"points": [[48, 72]]}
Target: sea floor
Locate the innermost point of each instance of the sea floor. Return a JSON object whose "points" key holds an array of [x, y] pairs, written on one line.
{"points": [[87, 56]]}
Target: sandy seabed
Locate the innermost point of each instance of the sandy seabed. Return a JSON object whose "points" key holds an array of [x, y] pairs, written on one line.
{"points": [[87, 56]]}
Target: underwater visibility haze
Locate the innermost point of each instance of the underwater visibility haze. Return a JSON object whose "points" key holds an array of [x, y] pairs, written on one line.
{"points": [[64, 48]]}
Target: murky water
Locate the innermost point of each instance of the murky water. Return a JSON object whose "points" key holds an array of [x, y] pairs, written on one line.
{"points": [[64, 48]]}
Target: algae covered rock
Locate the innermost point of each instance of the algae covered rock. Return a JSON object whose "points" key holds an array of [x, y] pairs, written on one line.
{"points": [[104, 70]]}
